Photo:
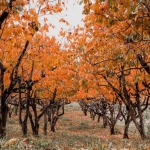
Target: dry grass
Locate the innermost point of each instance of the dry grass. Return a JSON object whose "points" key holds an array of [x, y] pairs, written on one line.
{"points": [[74, 131]]}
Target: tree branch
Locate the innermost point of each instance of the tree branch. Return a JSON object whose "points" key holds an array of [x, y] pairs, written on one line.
{"points": [[143, 63]]}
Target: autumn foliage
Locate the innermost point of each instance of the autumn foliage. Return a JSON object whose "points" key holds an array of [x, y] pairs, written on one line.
{"points": [[107, 60], [113, 48], [32, 64]]}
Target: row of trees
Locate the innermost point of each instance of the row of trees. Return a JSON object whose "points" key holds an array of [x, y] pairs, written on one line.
{"points": [[113, 48], [31, 65], [108, 56], [112, 112]]}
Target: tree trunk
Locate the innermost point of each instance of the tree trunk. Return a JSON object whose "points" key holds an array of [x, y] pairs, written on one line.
{"points": [[24, 128], [104, 121], [3, 119], [45, 124], [3, 106], [140, 127], [142, 132], [99, 117], [112, 130], [23, 122], [52, 128], [53, 123], [16, 110], [85, 112], [125, 134], [34, 125]]}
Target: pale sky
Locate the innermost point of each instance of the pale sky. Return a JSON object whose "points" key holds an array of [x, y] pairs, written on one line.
{"points": [[73, 15]]}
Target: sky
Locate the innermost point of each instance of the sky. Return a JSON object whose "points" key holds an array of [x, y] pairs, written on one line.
{"points": [[73, 15]]}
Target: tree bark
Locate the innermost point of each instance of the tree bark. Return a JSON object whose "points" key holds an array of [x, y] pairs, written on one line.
{"points": [[104, 121], [112, 130], [3, 118], [125, 134], [45, 124]]}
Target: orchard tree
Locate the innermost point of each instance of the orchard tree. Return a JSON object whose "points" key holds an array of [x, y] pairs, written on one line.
{"points": [[115, 46], [19, 27], [52, 82]]}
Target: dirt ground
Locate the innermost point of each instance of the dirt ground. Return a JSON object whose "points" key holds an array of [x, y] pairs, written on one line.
{"points": [[74, 130]]}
